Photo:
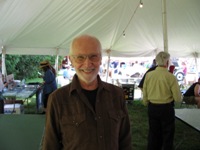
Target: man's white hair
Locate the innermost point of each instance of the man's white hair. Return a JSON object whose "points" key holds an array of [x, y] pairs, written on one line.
{"points": [[162, 58]]}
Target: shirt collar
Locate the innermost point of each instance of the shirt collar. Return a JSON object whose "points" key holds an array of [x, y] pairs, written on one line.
{"points": [[75, 84], [161, 68]]}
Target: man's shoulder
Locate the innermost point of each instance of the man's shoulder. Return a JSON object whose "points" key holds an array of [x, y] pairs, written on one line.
{"points": [[196, 84], [63, 89], [152, 68], [110, 86]]}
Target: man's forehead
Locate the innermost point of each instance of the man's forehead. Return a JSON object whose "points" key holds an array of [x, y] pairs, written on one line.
{"points": [[86, 47]]}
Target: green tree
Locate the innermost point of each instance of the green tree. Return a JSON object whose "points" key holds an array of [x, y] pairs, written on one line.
{"points": [[26, 66]]}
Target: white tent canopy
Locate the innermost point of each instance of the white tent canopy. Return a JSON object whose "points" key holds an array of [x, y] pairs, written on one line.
{"points": [[46, 27]]}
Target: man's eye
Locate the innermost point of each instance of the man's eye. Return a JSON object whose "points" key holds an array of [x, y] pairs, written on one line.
{"points": [[93, 56], [80, 57]]}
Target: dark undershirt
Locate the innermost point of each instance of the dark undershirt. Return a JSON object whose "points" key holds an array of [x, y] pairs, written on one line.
{"points": [[91, 96]]}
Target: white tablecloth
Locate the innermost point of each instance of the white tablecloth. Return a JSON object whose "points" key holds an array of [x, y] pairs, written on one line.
{"points": [[189, 116]]}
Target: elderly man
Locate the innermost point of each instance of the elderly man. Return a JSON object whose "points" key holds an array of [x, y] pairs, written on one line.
{"points": [[160, 90], [87, 114]]}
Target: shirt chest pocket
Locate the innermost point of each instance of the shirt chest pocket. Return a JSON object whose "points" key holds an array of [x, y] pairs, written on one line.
{"points": [[116, 118], [73, 126], [73, 120]]}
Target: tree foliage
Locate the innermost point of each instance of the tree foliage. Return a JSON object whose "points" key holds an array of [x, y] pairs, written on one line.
{"points": [[26, 66]]}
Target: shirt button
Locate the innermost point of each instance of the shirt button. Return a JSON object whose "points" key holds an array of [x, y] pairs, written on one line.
{"points": [[99, 117], [100, 136]]}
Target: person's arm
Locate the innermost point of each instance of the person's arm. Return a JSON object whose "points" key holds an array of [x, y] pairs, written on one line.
{"points": [[145, 98], [142, 82], [197, 90], [176, 90], [52, 136]]}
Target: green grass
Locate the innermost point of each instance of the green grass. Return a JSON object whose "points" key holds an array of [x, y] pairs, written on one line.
{"points": [[40, 80], [186, 138], [139, 125], [139, 128]]}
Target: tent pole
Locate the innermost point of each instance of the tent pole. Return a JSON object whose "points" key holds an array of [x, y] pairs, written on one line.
{"points": [[4, 72], [56, 61], [196, 65], [164, 23], [107, 73]]}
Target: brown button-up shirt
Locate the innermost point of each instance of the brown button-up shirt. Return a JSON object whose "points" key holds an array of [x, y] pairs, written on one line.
{"points": [[72, 123]]}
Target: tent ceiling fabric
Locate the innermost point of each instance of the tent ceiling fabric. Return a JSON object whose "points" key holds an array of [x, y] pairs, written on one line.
{"points": [[46, 27]]}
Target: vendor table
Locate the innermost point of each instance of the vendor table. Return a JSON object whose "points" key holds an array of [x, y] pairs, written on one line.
{"points": [[21, 93], [191, 117], [21, 132]]}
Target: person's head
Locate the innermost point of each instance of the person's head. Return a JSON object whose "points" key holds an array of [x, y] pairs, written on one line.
{"points": [[85, 56], [162, 59], [154, 62], [44, 65], [199, 79]]}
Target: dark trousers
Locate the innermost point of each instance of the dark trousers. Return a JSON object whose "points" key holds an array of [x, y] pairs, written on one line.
{"points": [[1, 106], [45, 99], [1, 103], [161, 126]]}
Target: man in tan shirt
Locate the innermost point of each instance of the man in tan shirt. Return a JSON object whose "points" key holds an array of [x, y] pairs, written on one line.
{"points": [[160, 90]]}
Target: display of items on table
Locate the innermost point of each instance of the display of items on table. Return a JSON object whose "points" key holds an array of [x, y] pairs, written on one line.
{"points": [[13, 109], [18, 90]]}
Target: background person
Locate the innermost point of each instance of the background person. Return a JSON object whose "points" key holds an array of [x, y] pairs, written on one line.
{"points": [[153, 67], [88, 113], [153, 63], [66, 72], [192, 95], [49, 84], [160, 90], [66, 76]]}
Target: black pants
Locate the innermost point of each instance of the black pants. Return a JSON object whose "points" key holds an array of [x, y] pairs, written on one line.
{"points": [[1, 104], [161, 126], [45, 99]]}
